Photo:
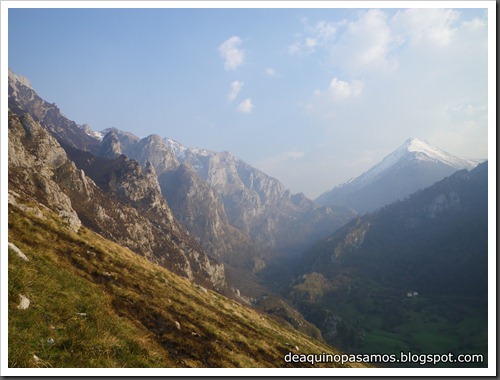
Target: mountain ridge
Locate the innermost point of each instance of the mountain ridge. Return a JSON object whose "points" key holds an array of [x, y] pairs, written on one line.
{"points": [[120, 208], [106, 189], [423, 258], [209, 217], [254, 203]]}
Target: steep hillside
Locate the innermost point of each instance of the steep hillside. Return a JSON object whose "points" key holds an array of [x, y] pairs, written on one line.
{"points": [[412, 242], [126, 207], [413, 166], [23, 99], [413, 275], [199, 208], [79, 300]]}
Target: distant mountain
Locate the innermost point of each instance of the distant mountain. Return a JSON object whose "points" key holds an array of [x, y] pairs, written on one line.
{"points": [[432, 245], [435, 240], [258, 206], [249, 204], [135, 192], [413, 166]]}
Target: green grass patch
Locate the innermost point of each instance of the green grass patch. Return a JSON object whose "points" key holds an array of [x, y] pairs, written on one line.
{"points": [[94, 303], [383, 342]]}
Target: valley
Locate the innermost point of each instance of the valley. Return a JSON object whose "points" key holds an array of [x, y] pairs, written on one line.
{"points": [[144, 252]]}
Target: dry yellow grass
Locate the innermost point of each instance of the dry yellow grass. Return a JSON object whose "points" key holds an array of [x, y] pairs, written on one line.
{"points": [[94, 303]]}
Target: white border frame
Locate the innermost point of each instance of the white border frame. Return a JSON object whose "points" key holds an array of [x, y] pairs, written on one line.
{"points": [[492, 355]]}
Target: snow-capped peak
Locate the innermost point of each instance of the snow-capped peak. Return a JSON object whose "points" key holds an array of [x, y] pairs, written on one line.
{"points": [[414, 149], [432, 153]]}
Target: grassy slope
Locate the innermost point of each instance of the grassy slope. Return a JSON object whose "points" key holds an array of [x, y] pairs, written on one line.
{"points": [[97, 304]]}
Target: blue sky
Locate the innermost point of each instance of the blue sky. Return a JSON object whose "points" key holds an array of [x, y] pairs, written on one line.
{"points": [[312, 97]]}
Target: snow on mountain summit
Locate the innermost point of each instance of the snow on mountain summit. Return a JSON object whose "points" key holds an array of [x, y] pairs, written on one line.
{"points": [[414, 149], [429, 152], [413, 165]]}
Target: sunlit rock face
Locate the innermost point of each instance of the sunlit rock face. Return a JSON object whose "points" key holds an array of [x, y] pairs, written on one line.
{"points": [[117, 197]]}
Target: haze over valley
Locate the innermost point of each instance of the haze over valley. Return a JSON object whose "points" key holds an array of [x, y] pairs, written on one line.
{"points": [[146, 230]]}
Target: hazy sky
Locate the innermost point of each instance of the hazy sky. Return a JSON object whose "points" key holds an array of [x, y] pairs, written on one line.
{"points": [[312, 97]]}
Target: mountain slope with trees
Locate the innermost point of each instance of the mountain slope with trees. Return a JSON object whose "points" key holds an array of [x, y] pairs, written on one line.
{"points": [[412, 275]]}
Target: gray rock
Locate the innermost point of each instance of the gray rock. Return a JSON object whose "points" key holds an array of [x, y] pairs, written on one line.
{"points": [[24, 302], [33, 150], [128, 209], [18, 251]]}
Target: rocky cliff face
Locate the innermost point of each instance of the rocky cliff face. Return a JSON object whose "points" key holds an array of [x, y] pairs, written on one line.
{"points": [[198, 207], [128, 182], [258, 206], [261, 206], [149, 149], [39, 169], [23, 99], [110, 146], [122, 202], [193, 201]]}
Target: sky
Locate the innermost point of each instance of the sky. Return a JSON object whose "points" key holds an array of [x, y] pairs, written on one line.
{"points": [[312, 97]]}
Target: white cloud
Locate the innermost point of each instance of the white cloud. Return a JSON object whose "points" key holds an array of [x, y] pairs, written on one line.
{"points": [[363, 43], [366, 44], [231, 53], [245, 106], [475, 23], [316, 36], [270, 72], [326, 103], [434, 26], [340, 90], [465, 109], [293, 154], [235, 90], [294, 48], [325, 30]]}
